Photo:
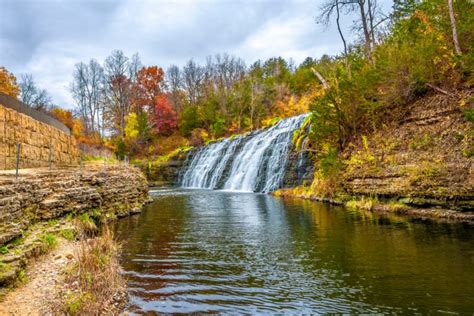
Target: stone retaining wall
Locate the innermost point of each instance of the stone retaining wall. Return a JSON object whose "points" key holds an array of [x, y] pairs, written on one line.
{"points": [[36, 139]]}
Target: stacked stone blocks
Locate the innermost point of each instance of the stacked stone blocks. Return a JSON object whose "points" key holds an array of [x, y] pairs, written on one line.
{"points": [[35, 138]]}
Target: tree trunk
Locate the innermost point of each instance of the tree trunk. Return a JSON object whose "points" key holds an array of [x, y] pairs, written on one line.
{"points": [[321, 78], [453, 27], [339, 28], [365, 28], [371, 20]]}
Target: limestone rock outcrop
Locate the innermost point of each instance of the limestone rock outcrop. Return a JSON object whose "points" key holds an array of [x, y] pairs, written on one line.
{"points": [[43, 195], [426, 156]]}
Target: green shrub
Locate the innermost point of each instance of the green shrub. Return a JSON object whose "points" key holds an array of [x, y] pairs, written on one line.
{"points": [[121, 149], [53, 222], [469, 115], [48, 242], [77, 302], [4, 267], [4, 250], [218, 127], [189, 120], [68, 234], [86, 225], [21, 277]]}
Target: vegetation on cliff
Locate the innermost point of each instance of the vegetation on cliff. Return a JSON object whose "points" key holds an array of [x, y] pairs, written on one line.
{"points": [[397, 109]]}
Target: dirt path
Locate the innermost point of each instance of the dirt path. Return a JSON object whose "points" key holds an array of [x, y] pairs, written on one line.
{"points": [[41, 288]]}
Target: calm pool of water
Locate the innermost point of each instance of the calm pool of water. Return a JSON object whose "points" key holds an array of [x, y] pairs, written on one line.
{"points": [[211, 251]]}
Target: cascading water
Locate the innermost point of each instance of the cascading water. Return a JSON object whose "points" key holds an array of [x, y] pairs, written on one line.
{"points": [[207, 166], [254, 163]]}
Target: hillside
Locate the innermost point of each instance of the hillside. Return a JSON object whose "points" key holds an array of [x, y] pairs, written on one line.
{"points": [[426, 154], [421, 159]]}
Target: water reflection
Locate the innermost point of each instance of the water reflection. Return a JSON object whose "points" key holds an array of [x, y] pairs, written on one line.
{"points": [[208, 251]]}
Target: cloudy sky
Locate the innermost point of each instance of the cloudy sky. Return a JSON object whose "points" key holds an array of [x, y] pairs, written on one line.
{"points": [[47, 37]]}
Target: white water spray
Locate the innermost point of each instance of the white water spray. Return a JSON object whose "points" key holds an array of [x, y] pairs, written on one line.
{"points": [[253, 163]]}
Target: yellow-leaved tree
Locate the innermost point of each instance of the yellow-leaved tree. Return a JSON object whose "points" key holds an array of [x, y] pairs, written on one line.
{"points": [[8, 84], [131, 126]]}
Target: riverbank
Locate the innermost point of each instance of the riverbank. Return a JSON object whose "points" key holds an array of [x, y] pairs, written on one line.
{"points": [[45, 211], [53, 283], [381, 207]]}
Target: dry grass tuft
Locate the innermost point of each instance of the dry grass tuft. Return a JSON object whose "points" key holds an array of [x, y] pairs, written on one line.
{"points": [[86, 226], [95, 285]]}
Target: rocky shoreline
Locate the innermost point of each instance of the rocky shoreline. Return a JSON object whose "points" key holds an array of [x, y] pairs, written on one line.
{"points": [[46, 210], [382, 207]]}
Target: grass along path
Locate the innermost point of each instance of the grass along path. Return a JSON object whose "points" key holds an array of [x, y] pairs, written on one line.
{"points": [[44, 280], [75, 278]]}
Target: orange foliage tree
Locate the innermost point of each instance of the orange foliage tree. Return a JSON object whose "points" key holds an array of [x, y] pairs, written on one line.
{"points": [[8, 84], [63, 116], [149, 86], [76, 126], [151, 100]]}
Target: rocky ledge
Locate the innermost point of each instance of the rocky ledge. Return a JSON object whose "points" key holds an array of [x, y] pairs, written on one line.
{"points": [[31, 206], [424, 158]]}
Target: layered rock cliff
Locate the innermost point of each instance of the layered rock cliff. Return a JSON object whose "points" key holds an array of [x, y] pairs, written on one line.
{"points": [[424, 157], [418, 163], [34, 204]]}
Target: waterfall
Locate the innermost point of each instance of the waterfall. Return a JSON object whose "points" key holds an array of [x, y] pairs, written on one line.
{"points": [[252, 163], [207, 166]]}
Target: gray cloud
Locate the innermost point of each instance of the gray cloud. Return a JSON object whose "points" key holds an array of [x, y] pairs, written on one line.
{"points": [[26, 24], [47, 37]]}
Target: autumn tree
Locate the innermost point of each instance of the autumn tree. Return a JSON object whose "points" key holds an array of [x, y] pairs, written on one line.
{"points": [[165, 118], [73, 123], [131, 126], [120, 74], [63, 116], [149, 85], [8, 84]]}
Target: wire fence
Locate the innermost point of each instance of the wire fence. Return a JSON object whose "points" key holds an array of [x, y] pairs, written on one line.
{"points": [[16, 105], [50, 160], [26, 156]]}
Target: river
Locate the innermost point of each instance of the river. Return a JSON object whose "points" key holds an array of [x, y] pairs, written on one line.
{"points": [[226, 252]]}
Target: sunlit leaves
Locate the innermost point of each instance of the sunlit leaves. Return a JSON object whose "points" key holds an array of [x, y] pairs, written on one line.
{"points": [[8, 84]]}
